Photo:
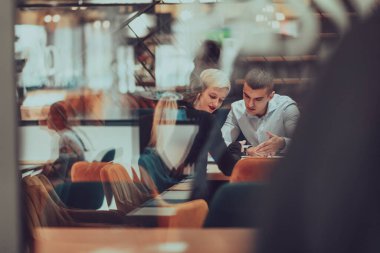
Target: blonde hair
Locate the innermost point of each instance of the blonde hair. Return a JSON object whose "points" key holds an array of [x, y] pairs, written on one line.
{"points": [[214, 78], [165, 113], [210, 78]]}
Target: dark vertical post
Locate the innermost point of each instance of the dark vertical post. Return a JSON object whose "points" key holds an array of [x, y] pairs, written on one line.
{"points": [[10, 217]]}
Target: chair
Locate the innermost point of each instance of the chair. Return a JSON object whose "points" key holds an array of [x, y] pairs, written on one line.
{"points": [[44, 208], [50, 189], [86, 189], [253, 170], [118, 184], [109, 156], [236, 205], [191, 214], [129, 196], [41, 209], [144, 182], [106, 155], [86, 171]]}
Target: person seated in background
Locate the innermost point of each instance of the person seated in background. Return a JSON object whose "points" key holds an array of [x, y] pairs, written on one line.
{"points": [[207, 58], [198, 109], [267, 120], [71, 146]]}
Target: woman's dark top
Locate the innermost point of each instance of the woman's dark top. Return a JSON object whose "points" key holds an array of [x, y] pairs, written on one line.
{"points": [[208, 140]]}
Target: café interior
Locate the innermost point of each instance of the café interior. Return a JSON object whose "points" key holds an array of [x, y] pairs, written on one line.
{"points": [[105, 69]]}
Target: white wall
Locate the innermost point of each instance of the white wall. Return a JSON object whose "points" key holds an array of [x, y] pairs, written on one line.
{"points": [[38, 143]]}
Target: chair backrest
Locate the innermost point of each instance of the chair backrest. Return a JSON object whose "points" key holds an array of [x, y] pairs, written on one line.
{"points": [[236, 205], [145, 183], [86, 189], [191, 214], [109, 156], [253, 169], [41, 209], [119, 184], [50, 189], [86, 171]]}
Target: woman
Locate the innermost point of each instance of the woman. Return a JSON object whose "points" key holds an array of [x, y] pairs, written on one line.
{"points": [[212, 90], [71, 146]]}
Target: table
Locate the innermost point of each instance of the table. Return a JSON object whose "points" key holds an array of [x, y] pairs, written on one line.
{"points": [[35, 162], [32, 165], [136, 240], [160, 207], [214, 173]]}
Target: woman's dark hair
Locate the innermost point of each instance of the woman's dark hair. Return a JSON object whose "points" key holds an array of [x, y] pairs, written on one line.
{"points": [[207, 57], [59, 109], [210, 52]]}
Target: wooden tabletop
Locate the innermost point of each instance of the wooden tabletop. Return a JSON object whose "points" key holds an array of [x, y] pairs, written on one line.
{"points": [[135, 240], [214, 173], [35, 162]]}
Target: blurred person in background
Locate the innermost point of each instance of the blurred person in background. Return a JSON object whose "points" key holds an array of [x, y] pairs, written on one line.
{"points": [[71, 146], [324, 197], [207, 57]]}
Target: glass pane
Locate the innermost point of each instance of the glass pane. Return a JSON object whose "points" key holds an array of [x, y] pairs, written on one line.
{"points": [[138, 113]]}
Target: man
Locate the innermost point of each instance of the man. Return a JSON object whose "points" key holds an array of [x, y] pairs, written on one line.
{"points": [[267, 120]]}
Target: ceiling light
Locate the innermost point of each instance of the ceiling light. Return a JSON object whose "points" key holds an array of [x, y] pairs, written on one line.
{"points": [[106, 24], [97, 24], [280, 16], [56, 18], [48, 18]]}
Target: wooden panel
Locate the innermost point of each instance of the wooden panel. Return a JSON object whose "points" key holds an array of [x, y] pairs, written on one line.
{"points": [[144, 240]]}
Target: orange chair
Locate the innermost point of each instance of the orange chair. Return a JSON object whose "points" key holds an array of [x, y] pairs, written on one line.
{"points": [[86, 189], [129, 196], [44, 210], [253, 169], [144, 182], [118, 184], [86, 171], [41, 209], [191, 214]]}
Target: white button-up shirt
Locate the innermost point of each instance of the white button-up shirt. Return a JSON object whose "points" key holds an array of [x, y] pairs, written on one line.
{"points": [[280, 119]]}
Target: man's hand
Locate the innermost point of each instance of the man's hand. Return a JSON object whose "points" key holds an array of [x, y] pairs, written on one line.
{"points": [[269, 147], [252, 152]]}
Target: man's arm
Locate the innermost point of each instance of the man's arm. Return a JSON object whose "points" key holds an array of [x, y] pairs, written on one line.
{"points": [[291, 116], [230, 129]]}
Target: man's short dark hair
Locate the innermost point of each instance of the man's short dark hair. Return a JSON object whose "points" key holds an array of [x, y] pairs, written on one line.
{"points": [[259, 79]]}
